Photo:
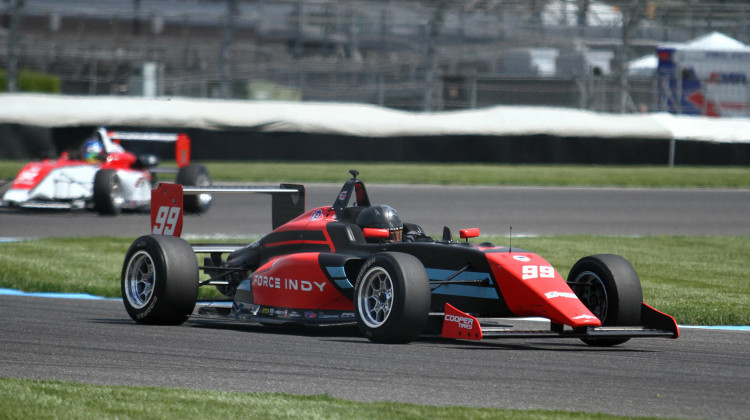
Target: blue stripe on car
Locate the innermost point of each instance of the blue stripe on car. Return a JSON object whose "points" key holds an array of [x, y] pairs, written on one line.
{"points": [[466, 290], [339, 277]]}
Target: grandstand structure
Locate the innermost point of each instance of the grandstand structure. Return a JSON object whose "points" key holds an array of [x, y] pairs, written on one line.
{"points": [[425, 55]]}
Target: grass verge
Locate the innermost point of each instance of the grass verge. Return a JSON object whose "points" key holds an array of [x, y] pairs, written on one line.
{"points": [[469, 174], [698, 280], [31, 399]]}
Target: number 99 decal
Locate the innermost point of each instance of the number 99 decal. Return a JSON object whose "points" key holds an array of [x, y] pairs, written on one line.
{"points": [[166, 220], [537, 271]]}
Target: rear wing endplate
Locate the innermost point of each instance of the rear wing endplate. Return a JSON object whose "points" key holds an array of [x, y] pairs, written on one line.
{"points": [[288, 202]]}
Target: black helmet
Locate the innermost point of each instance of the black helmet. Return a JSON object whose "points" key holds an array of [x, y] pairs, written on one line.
{"points": [[381, 216]]}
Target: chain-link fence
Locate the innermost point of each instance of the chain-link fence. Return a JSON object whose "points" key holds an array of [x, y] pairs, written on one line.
{"points": [[418, 55]]}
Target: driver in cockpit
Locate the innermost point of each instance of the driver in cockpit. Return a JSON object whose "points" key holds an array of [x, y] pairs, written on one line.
{"points": [[381, 216], [92, 151]]}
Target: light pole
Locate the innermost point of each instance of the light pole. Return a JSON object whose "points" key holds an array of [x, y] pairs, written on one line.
{"points": [[225, 57], [12, 41]]}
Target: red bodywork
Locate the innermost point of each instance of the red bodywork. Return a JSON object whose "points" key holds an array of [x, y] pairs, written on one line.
{"points": [[296, 282], [34, 172], [531, 287], [309, 264]]}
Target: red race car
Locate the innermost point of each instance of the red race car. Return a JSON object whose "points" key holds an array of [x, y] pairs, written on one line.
{"points": [[358, 262], [103, 176]]}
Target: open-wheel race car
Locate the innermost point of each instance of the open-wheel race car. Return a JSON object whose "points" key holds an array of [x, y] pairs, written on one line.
{"points": [[358, 262], [103, 176]]}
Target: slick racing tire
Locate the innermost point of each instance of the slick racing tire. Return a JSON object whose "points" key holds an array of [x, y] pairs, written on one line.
{"points": [[609, 287], [195, 176], [108, 195], [392, 298], [159, 280]]}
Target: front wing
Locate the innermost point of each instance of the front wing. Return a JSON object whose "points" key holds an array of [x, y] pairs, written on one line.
{"points": [[460, 325]]}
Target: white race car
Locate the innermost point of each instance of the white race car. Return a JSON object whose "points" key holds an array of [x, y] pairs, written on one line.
{"points": [[103, 176]]}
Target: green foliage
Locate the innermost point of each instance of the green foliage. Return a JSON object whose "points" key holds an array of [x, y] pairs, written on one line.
{"points": [[32, 81]]}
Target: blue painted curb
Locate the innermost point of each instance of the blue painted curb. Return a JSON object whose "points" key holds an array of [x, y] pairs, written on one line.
{"points": [[13, 292]]}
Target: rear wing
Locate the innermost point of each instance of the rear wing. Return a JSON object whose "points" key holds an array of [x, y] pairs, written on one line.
{"points": [[288, 202], [181, 141]]}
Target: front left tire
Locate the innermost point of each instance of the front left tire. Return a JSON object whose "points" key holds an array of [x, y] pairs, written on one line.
{"points": [[609, 287], [159, 280], [108, 195]]}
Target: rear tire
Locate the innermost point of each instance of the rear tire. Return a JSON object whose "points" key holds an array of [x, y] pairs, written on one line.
{"points": [[108, 197], [610, 288], [195, 175], [159, 280], [392, 298]]}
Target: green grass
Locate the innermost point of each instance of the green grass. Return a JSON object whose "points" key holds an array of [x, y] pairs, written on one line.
{"points": [[469, 174], [30, 399], [486, 174], [698, 280]]}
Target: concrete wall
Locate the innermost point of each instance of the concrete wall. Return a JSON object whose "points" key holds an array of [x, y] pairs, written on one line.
{"points": [[25, 142]]}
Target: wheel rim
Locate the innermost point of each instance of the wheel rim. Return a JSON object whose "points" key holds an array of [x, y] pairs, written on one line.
{"points": [[376, 297], [590, 290], [140, 279], [203, 199], [115, 195]]}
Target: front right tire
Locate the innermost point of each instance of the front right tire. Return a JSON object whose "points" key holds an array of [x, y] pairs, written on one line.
{"points": [[392, 298], [195, 175]]}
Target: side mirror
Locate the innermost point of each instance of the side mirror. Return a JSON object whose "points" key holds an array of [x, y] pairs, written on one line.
{"points": [[376, 233], [469, 233]]}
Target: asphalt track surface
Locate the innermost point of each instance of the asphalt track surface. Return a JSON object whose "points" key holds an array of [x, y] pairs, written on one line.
{"points": [[495, 210], [703, 374]]}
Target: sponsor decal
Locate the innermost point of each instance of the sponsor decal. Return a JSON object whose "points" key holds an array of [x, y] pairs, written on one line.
{"points": [[347, 315], [552, 295], [311, 315], [462, 321], [148, 309], [265, 311], [28, 176], [317, 215], [342, 195], [521, 258], [272, 282]]}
